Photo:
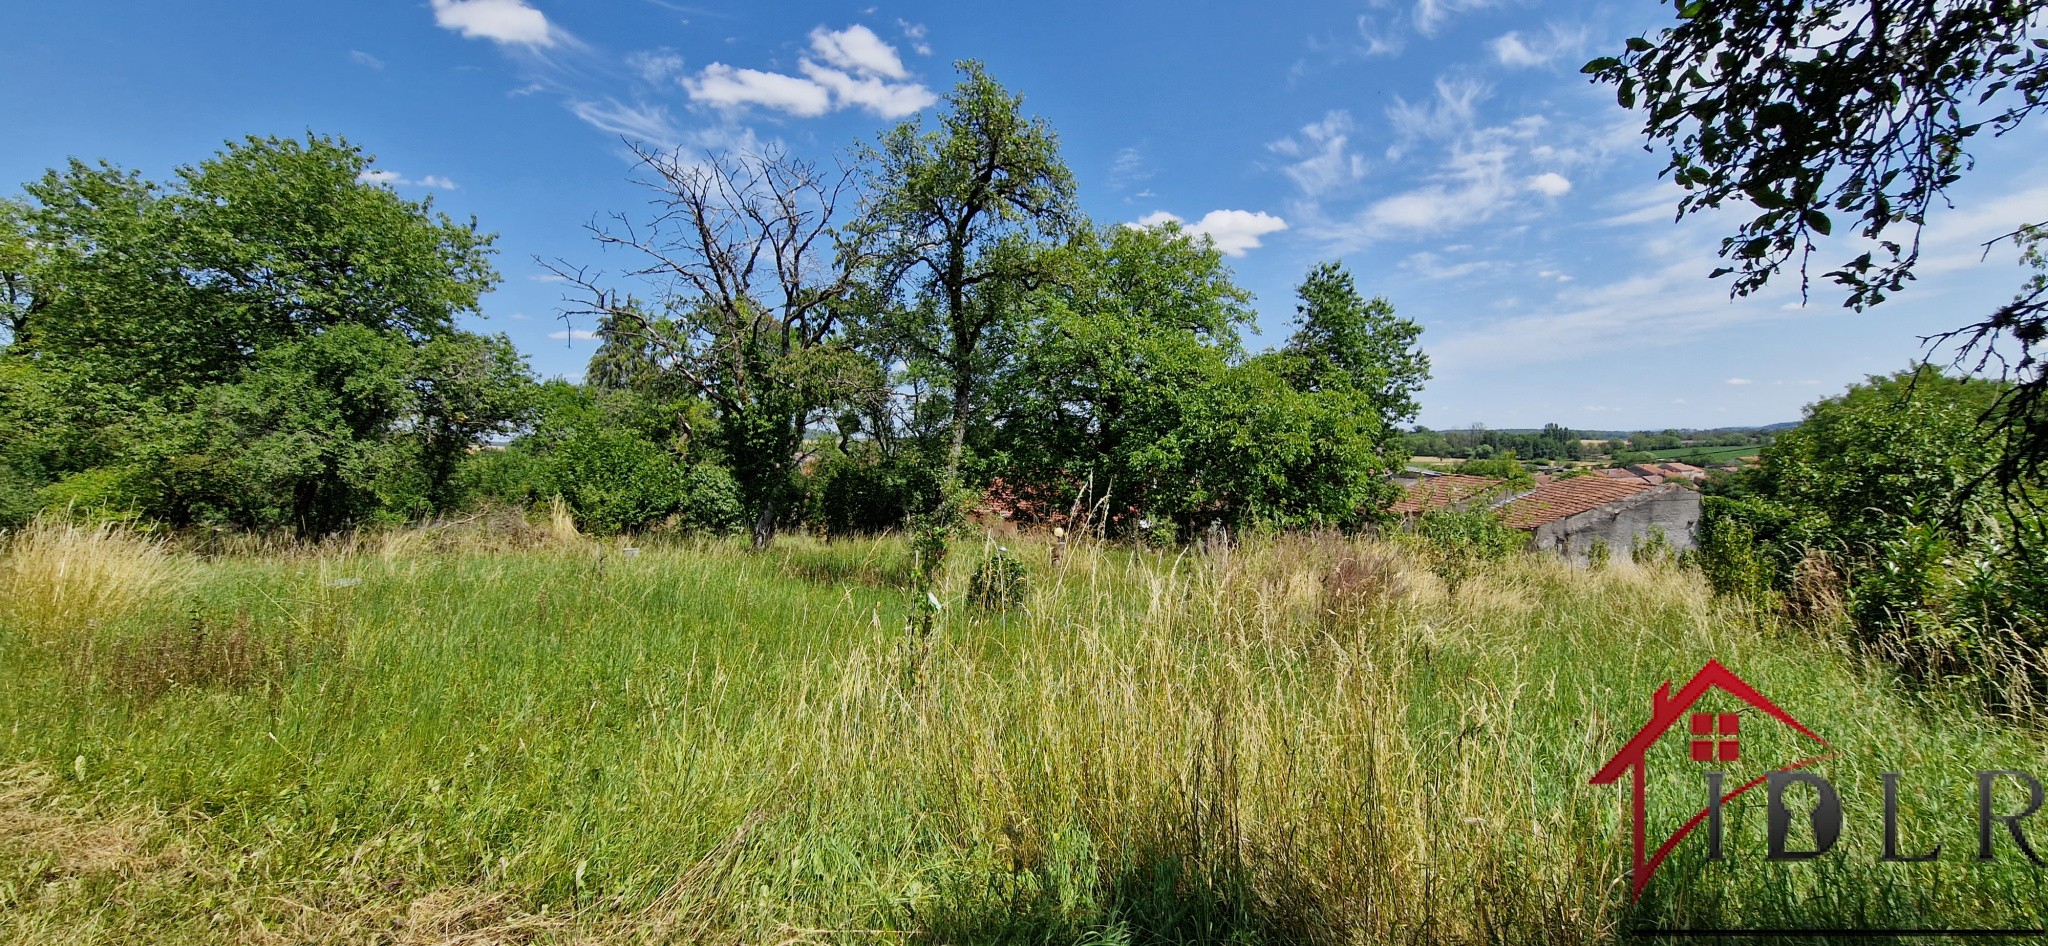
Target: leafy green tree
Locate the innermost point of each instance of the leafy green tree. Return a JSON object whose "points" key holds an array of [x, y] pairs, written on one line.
{"points": [[964, 217], [1811, 111], [269, 241], [1346, 343], [268, 340], [1907, 441], [1110, 363], [17, 283]]}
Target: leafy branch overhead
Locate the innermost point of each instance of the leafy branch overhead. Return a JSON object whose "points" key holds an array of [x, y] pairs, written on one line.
{"points": [[1849, 114]]}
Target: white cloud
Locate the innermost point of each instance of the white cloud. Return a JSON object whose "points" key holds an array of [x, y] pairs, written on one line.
{"points": [[395, 179], [1326, 164], [1738, 382], [577, 335], [1233, 231], [1515, 51], [729, 87], [856, 72], [1550, 184], [365, 59], [882, 98], [506, 22], [647, 123], [655, 66], [857, 48]]}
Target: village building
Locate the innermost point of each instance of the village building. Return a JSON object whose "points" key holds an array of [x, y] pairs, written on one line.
{"points": [[1428, 492], [1568, 516]]}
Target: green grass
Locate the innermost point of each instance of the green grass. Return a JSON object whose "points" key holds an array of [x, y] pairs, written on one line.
{"points": [[698, 743]]}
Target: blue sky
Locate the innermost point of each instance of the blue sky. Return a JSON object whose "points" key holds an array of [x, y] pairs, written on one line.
{"points": [[1447, 150]]}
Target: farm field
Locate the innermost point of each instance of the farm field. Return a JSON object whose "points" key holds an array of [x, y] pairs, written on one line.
{"points": [[434, 738], [1706, 455]]}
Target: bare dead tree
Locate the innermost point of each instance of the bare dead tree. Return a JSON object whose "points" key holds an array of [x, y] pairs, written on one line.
{"points": [[752, 281]]}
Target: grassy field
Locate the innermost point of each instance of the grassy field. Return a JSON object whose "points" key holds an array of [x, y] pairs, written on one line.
{"points": [[418, 739], [1704, 456]]}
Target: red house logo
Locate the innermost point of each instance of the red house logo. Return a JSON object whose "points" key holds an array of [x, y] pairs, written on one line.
{"points": [[1713, 737]]}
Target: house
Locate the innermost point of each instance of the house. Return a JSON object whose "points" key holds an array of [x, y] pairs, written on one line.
{"points": [[1566, 517], [1712, 738], [1629, 474], [1445, 491]]}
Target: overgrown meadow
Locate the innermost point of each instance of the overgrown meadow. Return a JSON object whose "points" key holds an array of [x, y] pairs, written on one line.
{"points": [[469, 735]]}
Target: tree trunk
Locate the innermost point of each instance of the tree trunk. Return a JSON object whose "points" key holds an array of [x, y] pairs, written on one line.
{"points": [[764, 524]]}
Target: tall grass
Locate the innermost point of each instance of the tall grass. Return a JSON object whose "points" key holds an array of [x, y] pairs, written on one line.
{"points": [[1303, 739]]}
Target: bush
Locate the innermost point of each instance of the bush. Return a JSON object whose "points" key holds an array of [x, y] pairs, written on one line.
{"points": [[1458, 543], [1000, 583], [862, 492], [616, 481]]}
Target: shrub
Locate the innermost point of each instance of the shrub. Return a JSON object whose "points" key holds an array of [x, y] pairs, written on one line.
{"points": [[1457, 543], [616, 481], [1000, 583], [1598, 555]]}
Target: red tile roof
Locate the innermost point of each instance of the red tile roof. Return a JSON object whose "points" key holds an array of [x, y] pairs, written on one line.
{"points": [[1437, 492], [1567, 498]]}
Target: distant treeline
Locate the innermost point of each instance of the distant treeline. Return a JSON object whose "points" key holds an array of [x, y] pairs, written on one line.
{"points": [[1557, 442]]}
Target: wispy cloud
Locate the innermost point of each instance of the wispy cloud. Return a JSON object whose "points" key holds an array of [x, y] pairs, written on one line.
{"points": [[573, 335], [732, 87], [1430, 15], [655, 66], [857, 48], [914, 33], [1518, 51], [638, 122], [395, 179], [364, 59], [1325, 164]]}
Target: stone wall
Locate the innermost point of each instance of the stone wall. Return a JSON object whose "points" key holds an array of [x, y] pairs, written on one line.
{"points": [[1674, 509]]}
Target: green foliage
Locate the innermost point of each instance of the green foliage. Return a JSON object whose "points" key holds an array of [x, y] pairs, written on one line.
{"points": [[1882, 478], [1599, 555], [1459, 543], [1343, 342], [1651, 548], [1000, 582], [964, 218], [1503, 466], [864, 490], [269, 341], [753, 278], [616, 482], [1734, 559]]}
